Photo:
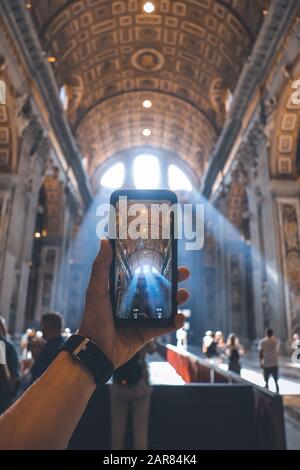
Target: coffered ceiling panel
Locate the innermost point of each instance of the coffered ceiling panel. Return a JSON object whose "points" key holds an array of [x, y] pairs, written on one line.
{"points": [[117, 124], [186, 54]]}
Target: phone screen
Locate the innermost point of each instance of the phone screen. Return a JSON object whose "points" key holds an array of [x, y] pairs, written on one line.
{"points": [[144, 260]]}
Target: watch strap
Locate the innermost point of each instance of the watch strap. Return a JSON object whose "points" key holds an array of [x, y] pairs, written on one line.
{"points": [[90, 355]]}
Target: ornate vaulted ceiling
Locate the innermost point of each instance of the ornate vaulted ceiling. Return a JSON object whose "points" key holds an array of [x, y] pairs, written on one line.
{"points": [[111, 55], [118, 123]]}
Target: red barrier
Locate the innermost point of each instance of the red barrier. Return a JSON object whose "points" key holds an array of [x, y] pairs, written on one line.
{"points": [[221, 378], [188, 366], [268, 412], [181, 364]]}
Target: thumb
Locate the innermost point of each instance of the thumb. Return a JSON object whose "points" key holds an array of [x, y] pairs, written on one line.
{"points": [[100, 271]]}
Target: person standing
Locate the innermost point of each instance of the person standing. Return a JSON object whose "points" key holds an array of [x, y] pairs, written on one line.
{"points": [[296, 348], [52, 327], [210, 345], [131, 392], [5, 390], [221, 345], [268, 357], [12, 359], [207, 339], [233, 351], [296, 341]]}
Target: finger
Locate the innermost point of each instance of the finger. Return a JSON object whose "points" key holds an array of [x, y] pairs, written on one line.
{"points": [[182, 296], [183, 273], [100, 271]]}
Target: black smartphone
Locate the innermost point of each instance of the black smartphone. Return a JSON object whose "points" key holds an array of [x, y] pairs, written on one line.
{"points": [[143, 276]]}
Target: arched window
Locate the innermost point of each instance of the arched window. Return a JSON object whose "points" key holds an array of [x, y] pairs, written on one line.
{"points": [[178, 180], [2, 92], [228, 100], [64, 98], [114, 177], [146, 172]]}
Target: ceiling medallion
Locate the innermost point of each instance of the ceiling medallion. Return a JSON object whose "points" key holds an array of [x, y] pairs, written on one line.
{"points": [[148, 60]]}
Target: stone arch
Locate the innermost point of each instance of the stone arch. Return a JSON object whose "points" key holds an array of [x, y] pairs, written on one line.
{"points": [[286, 131], [283, 166]]}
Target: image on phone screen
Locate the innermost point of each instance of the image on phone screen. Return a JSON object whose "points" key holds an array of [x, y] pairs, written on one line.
{"points": [[143, 267]]}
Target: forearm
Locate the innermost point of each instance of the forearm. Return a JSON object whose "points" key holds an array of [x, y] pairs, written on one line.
{"points": [[47, 414]]}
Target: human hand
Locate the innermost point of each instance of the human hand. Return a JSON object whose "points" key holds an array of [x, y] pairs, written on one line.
{"points": [[119, 345]]}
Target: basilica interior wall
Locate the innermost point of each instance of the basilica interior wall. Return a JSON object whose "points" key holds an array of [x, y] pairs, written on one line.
{"points": [[29, 165], [261, 201]]}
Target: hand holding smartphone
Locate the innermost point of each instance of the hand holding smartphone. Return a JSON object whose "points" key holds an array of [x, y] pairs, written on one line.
{"points": [[143, 275]]}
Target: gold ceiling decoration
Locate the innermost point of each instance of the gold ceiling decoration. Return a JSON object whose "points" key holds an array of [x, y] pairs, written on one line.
{"points": [[186, 55], [117, 124], [147, 60]]}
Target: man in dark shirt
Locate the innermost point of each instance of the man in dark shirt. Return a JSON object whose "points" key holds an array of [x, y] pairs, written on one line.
{"points": [[12, 360], [51, 326]]}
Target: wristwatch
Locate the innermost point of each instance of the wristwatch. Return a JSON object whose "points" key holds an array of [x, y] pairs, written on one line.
{"points": [[90, 356]]}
